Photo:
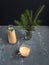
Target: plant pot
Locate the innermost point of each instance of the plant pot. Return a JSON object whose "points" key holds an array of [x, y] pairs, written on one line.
{"points": [[28, 35]]}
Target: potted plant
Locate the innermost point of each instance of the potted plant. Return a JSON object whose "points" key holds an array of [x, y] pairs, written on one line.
{"points": [[28, 21]]}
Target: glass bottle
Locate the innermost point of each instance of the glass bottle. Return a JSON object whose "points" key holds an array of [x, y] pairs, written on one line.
{"points": [[11, 35]]}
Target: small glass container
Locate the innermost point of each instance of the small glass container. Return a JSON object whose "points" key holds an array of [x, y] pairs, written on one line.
{"points": [[24, 50], [28, 35], [11, 35]]}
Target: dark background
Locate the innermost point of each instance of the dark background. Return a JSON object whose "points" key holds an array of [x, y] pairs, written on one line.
{"points": [[11, 9]]}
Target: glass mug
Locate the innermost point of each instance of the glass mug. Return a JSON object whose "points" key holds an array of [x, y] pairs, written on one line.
{"points": [[24, 50], [11, 35]]}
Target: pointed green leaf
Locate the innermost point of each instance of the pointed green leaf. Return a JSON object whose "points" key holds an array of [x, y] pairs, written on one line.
{"points": [[39, 11]]}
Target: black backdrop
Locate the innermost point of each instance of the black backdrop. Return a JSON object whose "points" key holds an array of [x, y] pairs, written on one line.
{"points": [[11, 9]]}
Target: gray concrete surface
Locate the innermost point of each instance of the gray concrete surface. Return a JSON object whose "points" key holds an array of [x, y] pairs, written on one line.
{"points": [[39, 44]]}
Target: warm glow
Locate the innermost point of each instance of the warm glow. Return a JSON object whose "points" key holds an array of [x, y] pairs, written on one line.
{"points": [[24, 51]]}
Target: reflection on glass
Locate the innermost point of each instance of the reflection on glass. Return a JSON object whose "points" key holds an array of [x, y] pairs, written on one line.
{"points": [[24, 50]]}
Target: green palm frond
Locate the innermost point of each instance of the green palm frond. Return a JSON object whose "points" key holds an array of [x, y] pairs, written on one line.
{"points": [[29, 15], [17, 22], [37, 23], [24, 20], [38, 12], [28, 21]]}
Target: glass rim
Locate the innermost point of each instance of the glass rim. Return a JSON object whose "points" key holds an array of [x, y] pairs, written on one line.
{"points": [[10, 26], [25, 45]]}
